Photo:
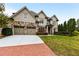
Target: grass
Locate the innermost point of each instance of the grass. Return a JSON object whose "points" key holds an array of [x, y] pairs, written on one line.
{"points": [[63, 45]]}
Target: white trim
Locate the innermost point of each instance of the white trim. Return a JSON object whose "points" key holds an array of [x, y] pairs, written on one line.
{"points": [[0, 30], [13, 29]]}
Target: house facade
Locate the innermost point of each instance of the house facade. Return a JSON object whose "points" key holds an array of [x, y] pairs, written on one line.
{"points": [[26, 22]]}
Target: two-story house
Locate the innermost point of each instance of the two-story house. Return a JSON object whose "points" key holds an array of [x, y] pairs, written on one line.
{"points": [[26, 22]]}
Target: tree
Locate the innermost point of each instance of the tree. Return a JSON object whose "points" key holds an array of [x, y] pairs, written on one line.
{"points": [[4, 20], [59, 27], [62, 27], [65, 26], [2, 7], [71, 25]]}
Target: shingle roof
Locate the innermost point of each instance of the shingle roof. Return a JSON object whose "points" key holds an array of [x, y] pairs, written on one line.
{"points": [[33, 13], [14, 14], [42, 12], [55, 17]]}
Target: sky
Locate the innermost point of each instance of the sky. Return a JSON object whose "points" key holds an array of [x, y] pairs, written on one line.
{"points": [[63, 11]]}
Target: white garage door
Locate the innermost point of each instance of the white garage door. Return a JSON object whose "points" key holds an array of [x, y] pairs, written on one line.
{"points": [[18, 30], [31, 31]]}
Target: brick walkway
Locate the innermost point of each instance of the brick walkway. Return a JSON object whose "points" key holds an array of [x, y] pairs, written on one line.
{"points": [[26, 50]]}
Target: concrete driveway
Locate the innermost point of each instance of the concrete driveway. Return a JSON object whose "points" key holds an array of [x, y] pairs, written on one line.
{"points": [[20, 40], [24, 45]]}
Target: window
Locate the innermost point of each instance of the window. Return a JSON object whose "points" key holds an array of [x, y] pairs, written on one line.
{"points": [[54, 22], [41, 29], [41, 20], [24, 16], [51, 22]]}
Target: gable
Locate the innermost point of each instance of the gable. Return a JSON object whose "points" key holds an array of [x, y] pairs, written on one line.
{"points": [[24, 15], [41, 14], [42, 17], [54, 21], [54, 18]]}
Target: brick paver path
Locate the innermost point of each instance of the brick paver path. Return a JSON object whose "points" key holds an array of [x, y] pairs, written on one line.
{"points": [[26, 50]]}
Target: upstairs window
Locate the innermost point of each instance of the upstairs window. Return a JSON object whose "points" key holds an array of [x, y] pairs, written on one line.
{"points": [[53, 22], [41, 20], [24, 15]]}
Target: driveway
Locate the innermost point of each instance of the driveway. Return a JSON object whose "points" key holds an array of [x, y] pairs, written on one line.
{"points": [[24, 45]]}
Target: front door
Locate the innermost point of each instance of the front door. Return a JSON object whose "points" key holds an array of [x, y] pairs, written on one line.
{"points": [[49, 30]]}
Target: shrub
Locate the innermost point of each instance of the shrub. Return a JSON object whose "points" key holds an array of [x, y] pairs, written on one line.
{"points": [[61, 33], [41, 33], [7, 31]]}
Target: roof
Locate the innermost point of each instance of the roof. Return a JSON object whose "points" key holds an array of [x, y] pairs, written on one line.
{"points": [[55, 17], [14, 14], [31, 12], [42, 12]]}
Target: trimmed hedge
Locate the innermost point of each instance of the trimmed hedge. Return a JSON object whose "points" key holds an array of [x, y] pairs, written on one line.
{"points": [[7, 31]]}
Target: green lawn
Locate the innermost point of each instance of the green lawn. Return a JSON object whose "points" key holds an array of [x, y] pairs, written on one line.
{"points": [[63, 45]]}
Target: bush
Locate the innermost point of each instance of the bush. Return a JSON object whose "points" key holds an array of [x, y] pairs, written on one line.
{"points": [[41, 33], [7, 31], [61, 33]]}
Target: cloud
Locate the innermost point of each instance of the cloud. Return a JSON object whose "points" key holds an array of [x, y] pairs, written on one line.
{"points": [[9, 11]]}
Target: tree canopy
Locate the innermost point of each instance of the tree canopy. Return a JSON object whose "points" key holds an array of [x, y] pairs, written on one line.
{"points": [[2, 7], [4, 20], [68, 26]]}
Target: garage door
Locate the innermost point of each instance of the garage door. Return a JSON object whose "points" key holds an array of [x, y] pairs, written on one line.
{"points": [[18, 30], [31, 30]]}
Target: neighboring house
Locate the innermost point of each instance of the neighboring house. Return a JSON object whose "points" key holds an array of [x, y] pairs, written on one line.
{"points": [[29, 23]]}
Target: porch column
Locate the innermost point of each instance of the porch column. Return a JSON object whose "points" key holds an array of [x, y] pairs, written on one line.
{"points": [[13, 29], [52, 30], [36, 28], [47, 29]]}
